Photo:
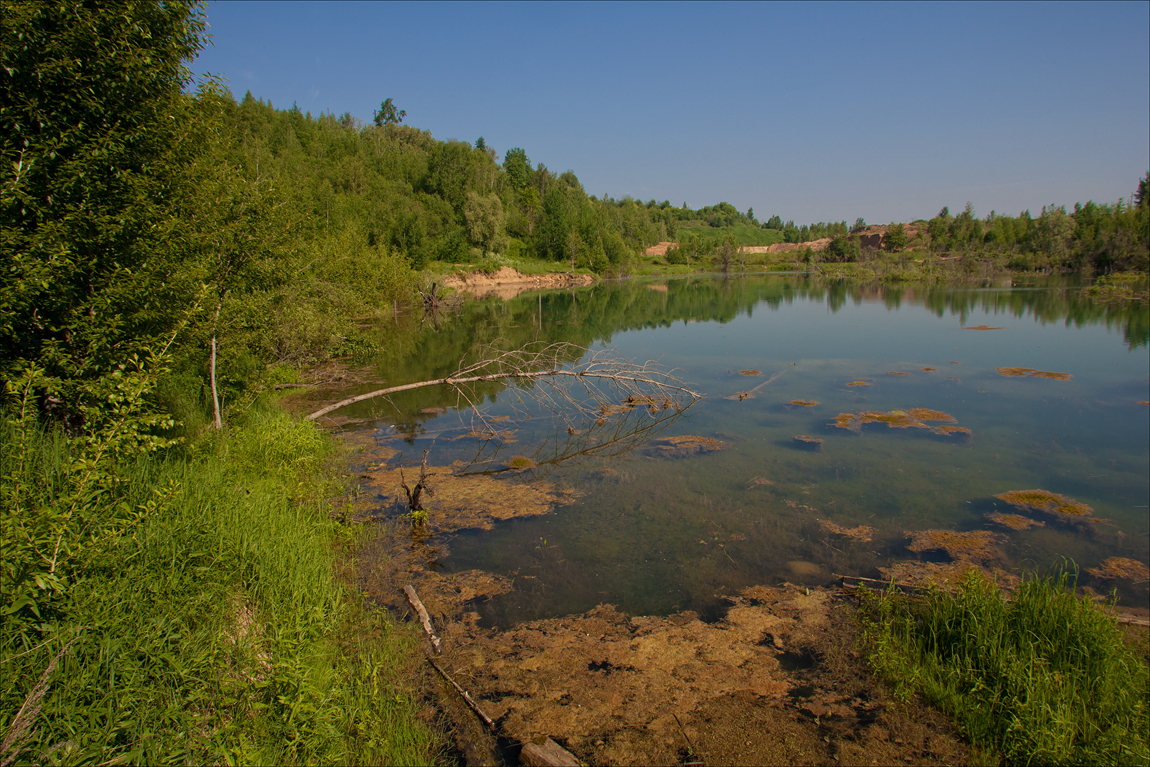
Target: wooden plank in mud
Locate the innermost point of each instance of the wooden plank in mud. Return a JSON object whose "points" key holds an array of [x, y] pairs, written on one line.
{"points": [[546, 754]]}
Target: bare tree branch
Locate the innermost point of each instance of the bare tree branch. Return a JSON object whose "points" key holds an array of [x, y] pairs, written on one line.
{"points": [[604, 379]]}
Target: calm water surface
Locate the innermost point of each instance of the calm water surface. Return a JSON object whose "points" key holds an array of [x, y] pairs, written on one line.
{"points": [[657, 535]]}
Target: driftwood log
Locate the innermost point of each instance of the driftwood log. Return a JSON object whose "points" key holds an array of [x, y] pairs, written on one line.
{"points": [[424, 618], [604, 377]]}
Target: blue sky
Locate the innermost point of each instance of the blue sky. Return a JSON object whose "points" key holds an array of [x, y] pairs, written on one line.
{"points": [[812, 111]]}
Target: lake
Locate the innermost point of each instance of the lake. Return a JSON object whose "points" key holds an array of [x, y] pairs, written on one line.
{"points": [[656, 530]]}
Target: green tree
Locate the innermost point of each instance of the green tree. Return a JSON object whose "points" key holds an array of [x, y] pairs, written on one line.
{"points": [[484, 216], [387, 114], [517, 167], [895, 238], [97, 145]]}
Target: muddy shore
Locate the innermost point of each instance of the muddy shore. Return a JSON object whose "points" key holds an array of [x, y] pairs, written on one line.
{"points": [[508, 283]]}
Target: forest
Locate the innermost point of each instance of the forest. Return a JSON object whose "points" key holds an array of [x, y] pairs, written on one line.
{"points": [[170, 255]]}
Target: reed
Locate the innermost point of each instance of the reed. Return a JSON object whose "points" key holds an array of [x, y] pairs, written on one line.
{"points": [[1043, 677]]}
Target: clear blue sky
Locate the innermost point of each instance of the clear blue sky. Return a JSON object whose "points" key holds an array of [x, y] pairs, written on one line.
{"points": [[812, 111]]}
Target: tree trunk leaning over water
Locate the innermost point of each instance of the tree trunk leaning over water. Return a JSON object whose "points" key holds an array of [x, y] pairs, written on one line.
{"points": [[606, 380]]}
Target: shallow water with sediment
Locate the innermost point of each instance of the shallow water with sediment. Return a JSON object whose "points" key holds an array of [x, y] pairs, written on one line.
{"points": [[888, 423]]}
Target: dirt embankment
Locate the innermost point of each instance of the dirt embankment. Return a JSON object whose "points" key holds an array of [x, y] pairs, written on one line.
{"points": [[870, 237], [508, 283]]}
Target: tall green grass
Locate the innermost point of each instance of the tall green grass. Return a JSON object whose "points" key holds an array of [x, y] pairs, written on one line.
{"points": [[1044, 678], [207, 625]]}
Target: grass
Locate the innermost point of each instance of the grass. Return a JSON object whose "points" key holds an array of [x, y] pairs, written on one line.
{"points": [[1043, 678], [213, 628]]}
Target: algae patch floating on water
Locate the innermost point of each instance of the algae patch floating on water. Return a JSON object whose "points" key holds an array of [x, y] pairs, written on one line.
{"points": [[1014, 521], [1032, 373], [803, 402], [461, 501], [859, 383], [976, 545], [862, 533], [807, 442], [750, 373], [1121, 567], [914, 418], [1054, 504], [685, 445], [946, 575], [981, 327]]}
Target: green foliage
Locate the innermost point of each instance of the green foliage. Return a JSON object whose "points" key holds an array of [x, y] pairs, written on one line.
{"points": [[96, 141], [1094, 238], [387, 114], [1043, 678], [484, 217], [895, 238]]}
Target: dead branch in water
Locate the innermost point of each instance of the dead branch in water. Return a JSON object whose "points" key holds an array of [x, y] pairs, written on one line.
{"points": [[424, 618], [605, 379], [463, 693]]}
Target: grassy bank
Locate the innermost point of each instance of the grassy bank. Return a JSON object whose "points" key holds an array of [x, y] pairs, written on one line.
{"points": [[1042, 679], [198, 616]]}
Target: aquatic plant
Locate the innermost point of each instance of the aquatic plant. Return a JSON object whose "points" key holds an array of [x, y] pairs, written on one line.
{"points": [[944, 575], [685, 445], [1014, 521], [1057, 505], [859, 383], [896, 373], [521, 463], [973, 546], [803, 402], [929, 370], [750, 373], [1032, 373], [759, 482], [926, 414], [862, 533], [804, 440], [1121, 567], [915, 418]]}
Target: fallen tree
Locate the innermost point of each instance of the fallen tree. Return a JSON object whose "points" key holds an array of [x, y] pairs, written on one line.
{"points": [[604, 379]]}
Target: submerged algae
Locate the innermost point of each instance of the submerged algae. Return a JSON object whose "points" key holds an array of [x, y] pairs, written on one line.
{"points": [[1014, 521], [1121, 567], [976, 545], [862, 533], [685, 445], [1032, 373], [1057, 505], [915, 418]]}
